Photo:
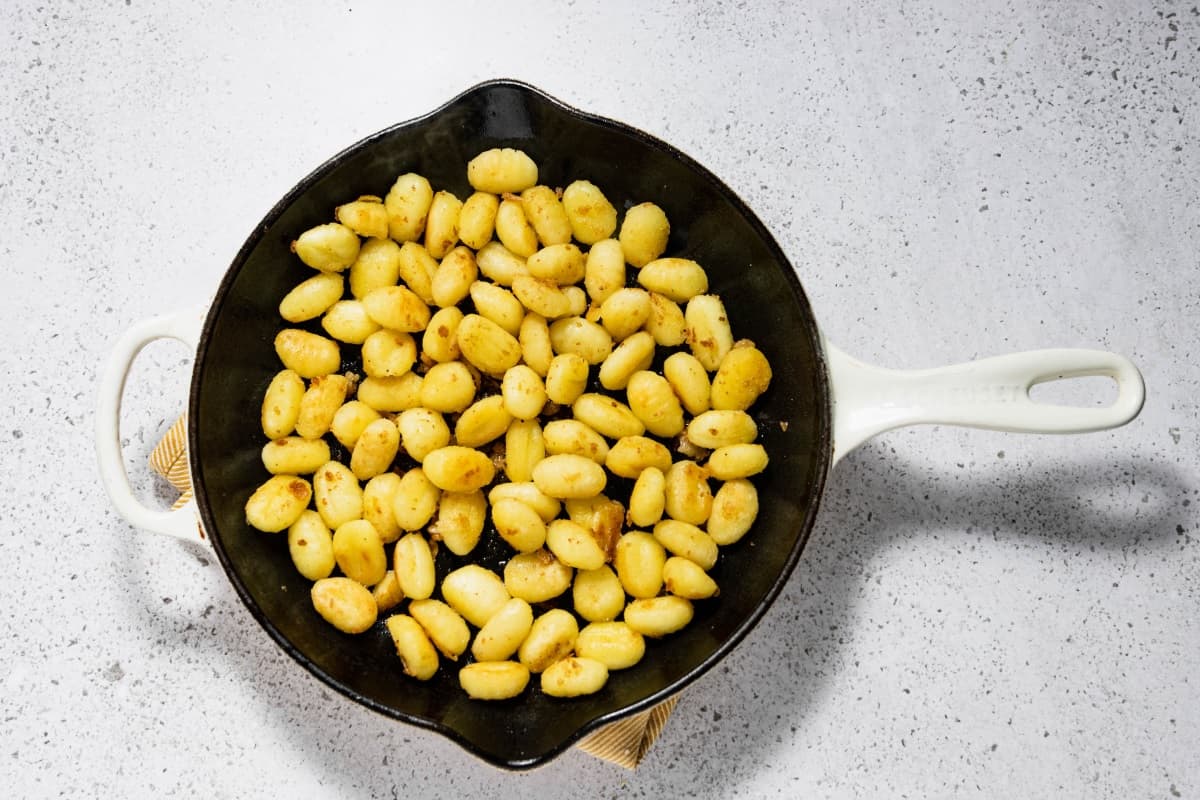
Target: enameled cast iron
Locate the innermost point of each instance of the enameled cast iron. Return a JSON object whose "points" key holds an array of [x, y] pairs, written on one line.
{"points": [[821, 403]]}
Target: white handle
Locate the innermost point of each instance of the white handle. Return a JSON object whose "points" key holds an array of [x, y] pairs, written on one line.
{"points": [[181, 523], [989, 393]]}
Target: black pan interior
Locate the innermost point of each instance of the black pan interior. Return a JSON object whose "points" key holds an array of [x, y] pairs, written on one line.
{"points": [[236, 360]]}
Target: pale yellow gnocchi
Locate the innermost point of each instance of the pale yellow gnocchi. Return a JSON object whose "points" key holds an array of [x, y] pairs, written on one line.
{"points": [[539, 374]]}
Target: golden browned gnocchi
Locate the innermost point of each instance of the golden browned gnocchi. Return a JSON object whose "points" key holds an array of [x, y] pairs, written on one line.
{"points": [[407, 206], [278, 503], [500, 637], [574, 676], [294, 455], [348, 321], [366, 216], [528, 369], [358, 551], [644, 233], [613, 644], [312, 298], [502, 170], [310, 544], [378, 264], [588, 212], [416, 651], [331, 247], [345, 604], [477, 219], [494, 680], [442, 624], [307, 354]]}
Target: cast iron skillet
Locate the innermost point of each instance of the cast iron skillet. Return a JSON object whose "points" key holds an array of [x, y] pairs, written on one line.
{"points": [[799, 418], [236, 359]]}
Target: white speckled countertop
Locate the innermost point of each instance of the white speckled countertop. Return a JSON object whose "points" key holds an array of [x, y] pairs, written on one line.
{"points": [[976, 613]]}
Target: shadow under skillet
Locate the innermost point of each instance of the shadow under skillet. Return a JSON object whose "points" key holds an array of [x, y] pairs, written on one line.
{"points": [[1100, 503], [874, 501]]}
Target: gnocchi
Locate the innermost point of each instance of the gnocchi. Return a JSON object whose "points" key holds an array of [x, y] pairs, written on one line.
{"points": [[519, 349]]}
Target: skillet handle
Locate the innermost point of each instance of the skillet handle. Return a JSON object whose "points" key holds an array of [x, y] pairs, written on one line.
{"points": [[182, 523], [989, 393]]}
